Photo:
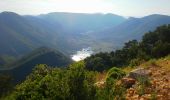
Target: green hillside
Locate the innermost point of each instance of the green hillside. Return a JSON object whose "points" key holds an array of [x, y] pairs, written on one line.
{"points": [[154, 44], [103, 75], [22, 67], [15, 34]]}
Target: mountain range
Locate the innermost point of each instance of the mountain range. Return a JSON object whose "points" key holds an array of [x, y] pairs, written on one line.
{"points": [[82, 22], [25, 33], [132, 28], [69, 32]]}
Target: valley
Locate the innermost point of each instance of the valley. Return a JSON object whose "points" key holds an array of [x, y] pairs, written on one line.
{"points": [[70, 32], [70, 56]]}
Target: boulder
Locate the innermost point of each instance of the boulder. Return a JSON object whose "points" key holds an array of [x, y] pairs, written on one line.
{"points": [[139, 73]]}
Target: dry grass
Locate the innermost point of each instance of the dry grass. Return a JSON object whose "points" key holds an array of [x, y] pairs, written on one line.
{"points": [[128, 69], [101, 76]]}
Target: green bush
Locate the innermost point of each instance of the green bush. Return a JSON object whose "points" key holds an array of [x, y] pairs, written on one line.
{"points": [[46, 83], [115, 73]]}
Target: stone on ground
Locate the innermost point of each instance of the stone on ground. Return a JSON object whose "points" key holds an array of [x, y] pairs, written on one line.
{"points": [[139, 73]]}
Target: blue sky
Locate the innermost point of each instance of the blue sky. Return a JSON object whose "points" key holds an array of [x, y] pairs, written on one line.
{"points": [[137, 8]]}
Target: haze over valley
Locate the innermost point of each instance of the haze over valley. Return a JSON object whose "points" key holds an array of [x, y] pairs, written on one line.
{"points": [[84, 50], [70, 32]]}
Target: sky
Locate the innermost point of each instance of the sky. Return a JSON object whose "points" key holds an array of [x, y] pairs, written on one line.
{"points": [[135, 8]]}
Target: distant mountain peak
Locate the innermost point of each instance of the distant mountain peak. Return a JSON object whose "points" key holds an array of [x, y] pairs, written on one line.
{"points": [[132, 18], [8, 13], [156, 16]]}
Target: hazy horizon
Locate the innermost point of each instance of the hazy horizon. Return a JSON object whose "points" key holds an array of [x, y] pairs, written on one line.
{"points": [[126, 8], [85, 13]]}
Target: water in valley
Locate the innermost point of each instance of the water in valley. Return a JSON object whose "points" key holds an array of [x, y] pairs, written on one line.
{"points": [[82, 54]]}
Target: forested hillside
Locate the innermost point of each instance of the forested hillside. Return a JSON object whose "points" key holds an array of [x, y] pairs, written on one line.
{"points": [[19, 69], [81, 80], [154, 44]]}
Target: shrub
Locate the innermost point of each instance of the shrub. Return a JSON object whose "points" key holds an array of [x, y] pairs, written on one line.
{"points": [[115, 73], [46, 83], [143, 83], [136, 62]]}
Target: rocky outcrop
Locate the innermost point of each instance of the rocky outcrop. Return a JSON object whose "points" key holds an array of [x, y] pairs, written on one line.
{"points": [[159, 82], [139, 73]]}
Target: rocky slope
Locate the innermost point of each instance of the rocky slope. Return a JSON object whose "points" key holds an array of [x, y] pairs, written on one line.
{"points": [[157, 86], [149, 81]]}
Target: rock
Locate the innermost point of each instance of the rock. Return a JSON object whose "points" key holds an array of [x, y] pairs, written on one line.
{"points": [[139, 73], [131, 92], [128, 82]]}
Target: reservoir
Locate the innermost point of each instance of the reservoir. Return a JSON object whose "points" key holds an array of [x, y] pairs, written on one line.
{"points": [[82, 54]]}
